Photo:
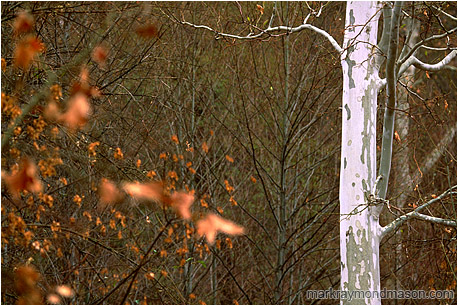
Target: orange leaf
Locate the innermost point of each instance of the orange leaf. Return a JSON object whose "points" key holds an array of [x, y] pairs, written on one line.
{"points": [[91, 148], [118, 154], [229, 159], [229, 188], [174, 138], [203, 203], [396, 136], [150, 276], [23, 179], [260, 9], [211, 224], [205, 147]]}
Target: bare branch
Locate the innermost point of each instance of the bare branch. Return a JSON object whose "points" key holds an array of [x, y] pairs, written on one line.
{"points": [[437, 49], [415, 214], [446, 14], [388, 120], [435, 219], [434, 67], [430, 67], [443, 64], [384, 39], [269, 31], [421, 43]]}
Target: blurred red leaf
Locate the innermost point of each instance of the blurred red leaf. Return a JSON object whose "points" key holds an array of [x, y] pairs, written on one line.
{"points": [[83, 86], [23, 179], [23, 23], [53, 299], [210, 225], [147, 191], [26, 50], [182, 202], [99, 55], [26, 278], [397, 137], [52, 111], [109, 193], [65, 291], [77, 113]]}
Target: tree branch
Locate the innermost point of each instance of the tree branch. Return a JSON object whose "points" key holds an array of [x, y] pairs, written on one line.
{"points": [[433, 67], [446, 14], [421, 43], [268, 32], [434, 219], [388, 120], [384, 39], [443, 64], [415, 214]]}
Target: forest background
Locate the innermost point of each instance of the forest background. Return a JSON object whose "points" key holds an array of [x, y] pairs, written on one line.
{"points": [[204, 115]]}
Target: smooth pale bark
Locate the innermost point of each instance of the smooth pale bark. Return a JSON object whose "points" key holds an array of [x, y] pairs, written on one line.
{"points": [[359, 226]]}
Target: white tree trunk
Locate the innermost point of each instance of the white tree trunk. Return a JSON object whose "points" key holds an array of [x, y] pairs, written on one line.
{"points": [[359, 226]]}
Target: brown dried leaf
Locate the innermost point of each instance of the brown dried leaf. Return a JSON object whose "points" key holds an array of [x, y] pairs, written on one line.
{"points": [[210, 225], [26, 178], [26, 285], [148, 30]]}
